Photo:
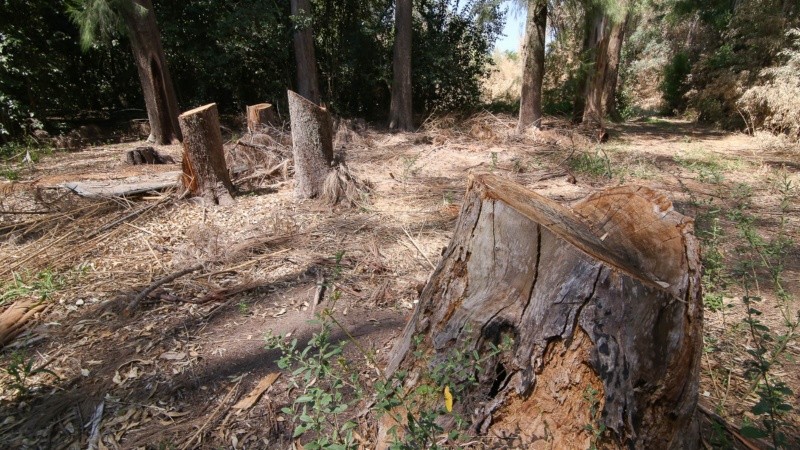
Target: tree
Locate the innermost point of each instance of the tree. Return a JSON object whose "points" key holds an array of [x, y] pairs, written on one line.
{"points": [[307, 82], [530, 108], [598, 305], [601, 23], [400, 112], [137, 19], [616, 39]]}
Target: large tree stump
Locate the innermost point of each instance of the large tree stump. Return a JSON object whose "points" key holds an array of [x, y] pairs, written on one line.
{"points": [[312, 145], [603, 297], [259, 116], [204, 171]]}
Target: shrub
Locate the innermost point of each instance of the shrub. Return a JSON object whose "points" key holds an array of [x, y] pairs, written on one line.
{"points": [[772, 104]]}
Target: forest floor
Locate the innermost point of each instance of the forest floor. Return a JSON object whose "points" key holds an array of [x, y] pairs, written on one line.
{"points": [[184, 368]]}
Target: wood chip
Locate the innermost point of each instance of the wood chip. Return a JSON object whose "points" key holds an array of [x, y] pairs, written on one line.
{"points": [[255, 394]]}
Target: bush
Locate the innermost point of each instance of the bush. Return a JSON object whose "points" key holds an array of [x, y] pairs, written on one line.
{"points": [[772, 104], [674, 84]]}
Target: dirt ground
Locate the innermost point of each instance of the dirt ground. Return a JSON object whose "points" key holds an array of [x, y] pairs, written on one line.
{"points": [[168, 373]]}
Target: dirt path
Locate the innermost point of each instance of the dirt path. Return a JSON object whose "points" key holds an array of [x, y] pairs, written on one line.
{"points": [[168, 375]]}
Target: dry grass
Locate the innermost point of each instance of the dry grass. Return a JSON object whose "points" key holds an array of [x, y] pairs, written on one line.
{"points": [[261, 259]]}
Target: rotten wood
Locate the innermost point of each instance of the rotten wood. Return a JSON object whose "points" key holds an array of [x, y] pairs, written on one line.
{"points": [[603, 296]]}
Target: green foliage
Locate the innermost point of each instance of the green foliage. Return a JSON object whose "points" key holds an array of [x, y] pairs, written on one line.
{"points": [[100, 21], [42, 285], [44, 73], [20, 369], [595, 164], [450, 54], [596, 428], [674, 85]]}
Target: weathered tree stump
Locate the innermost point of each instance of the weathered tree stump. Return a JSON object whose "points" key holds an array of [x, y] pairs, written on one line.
{"points": [[204, 171], [259, 116], [146, 155], [602, 302], [312, 145]]}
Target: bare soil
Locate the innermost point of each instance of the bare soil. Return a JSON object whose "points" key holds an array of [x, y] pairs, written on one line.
{"points": [[168, 373]]}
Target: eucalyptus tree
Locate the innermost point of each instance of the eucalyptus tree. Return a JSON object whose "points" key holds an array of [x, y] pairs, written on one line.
{"points": [[99, 20], [307, 80], [400, 112], [530, 107]]}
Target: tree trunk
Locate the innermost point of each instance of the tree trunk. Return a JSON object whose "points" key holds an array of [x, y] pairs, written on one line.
{"points": [[530, 107], [204, 171], [615, 42], [596, 80], [400, 112], [307, 83], [260, 115], [602, 298], [312, 145], [159, 94]]}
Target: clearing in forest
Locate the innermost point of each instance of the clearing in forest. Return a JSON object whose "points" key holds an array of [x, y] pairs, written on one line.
{"points": [[189, 368]]}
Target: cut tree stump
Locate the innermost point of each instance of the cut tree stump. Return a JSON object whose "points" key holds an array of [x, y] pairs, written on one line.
{"points": [[146, 155], [312, 145], [603, 305], [260, 115], [205, 174]]}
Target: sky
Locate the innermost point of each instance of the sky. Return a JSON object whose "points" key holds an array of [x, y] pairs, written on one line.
{"points": [[513, 31]]}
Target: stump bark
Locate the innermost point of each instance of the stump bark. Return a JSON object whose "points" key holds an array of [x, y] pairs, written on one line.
{"points": [[312, 145], [259, 116], [205, 174], [602, 302]]}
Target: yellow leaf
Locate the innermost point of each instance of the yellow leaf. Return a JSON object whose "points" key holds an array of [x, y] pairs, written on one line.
{"points": [[448, 399]]}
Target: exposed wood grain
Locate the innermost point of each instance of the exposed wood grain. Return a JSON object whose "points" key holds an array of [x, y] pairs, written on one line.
{"points": [[620, 267]]}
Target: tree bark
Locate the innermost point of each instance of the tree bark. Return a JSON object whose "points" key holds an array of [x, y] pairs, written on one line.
{"points": [[307, 82], [604, 297], [159, 93], [596, 80], [530, 107], [312, 145], [260, 115], [615, 42], [204, 171], [400, 111]]}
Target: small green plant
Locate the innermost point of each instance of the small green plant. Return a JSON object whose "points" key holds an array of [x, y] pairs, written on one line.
{"points": [[21, 369], [596, 164], [596, 428], [244, 308], [409, 169], [43, 285], [494, 161], [329, 389]]}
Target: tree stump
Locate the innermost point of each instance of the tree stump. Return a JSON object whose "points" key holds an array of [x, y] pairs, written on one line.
{"points": [[146, 155], [260, 115], [312, 145], [204, 171], [602, 303]]}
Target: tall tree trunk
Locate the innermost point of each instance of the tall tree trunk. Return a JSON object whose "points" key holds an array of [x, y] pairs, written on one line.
{"points": [[307, 82], [312, 145], [601, 301], [596, 80], [594, 28], [400, 111], [615, 42], [205, 173], [530, 107], [159, 94]]}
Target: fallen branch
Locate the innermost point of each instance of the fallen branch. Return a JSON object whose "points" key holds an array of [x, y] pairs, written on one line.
{"points": [[418, 249], [142, 295]]}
